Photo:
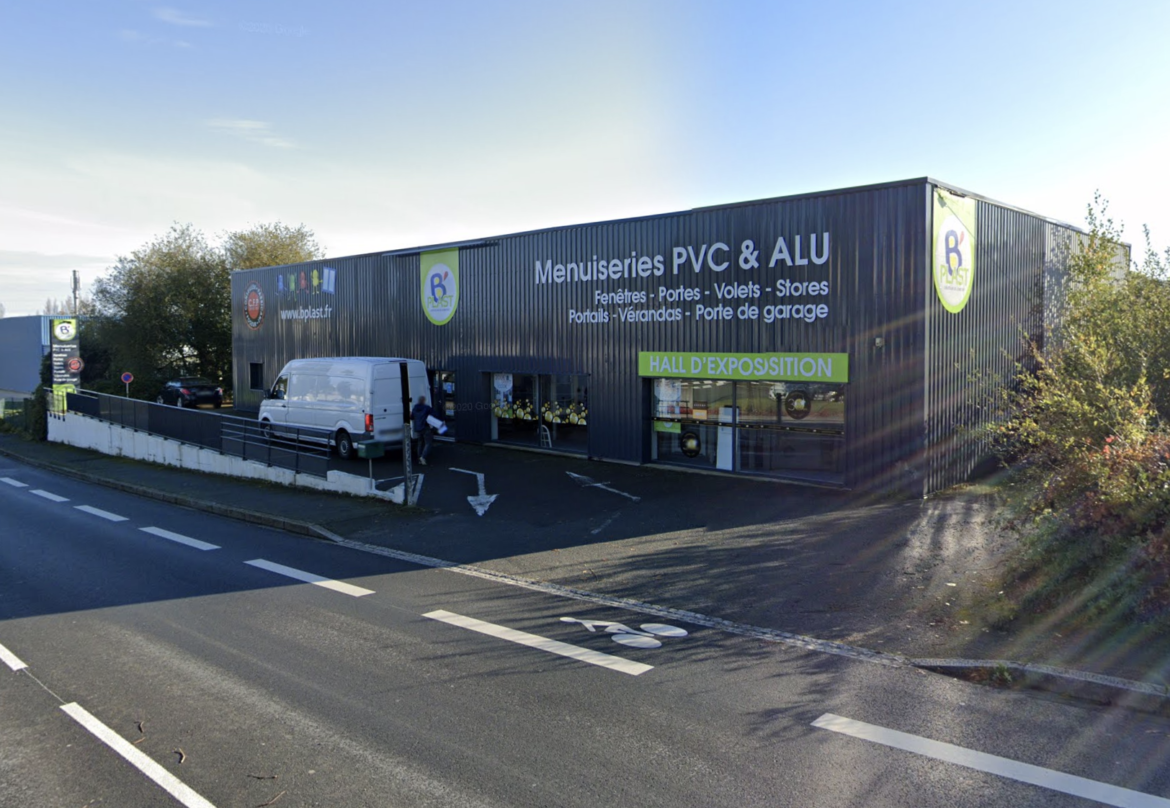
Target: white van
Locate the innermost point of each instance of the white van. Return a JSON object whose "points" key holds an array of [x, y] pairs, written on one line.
{"points": [[350, 398]]}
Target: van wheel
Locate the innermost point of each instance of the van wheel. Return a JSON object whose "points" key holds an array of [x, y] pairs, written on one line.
{"points": [[344, 445], [266, 430]]}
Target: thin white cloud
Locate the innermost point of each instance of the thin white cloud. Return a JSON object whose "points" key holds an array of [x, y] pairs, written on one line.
{"points": [[38, 261], [252, 131], [131, 35], [176, 17]]}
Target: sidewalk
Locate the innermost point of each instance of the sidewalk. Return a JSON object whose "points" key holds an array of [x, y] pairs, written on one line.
{"points": [[891, 577]]}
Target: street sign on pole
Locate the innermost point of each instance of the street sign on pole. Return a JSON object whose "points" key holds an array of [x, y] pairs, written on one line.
{"points": [[127, 377]]}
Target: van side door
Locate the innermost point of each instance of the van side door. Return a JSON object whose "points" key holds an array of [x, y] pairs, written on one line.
{"points": [[386, 403], [275, 406]]}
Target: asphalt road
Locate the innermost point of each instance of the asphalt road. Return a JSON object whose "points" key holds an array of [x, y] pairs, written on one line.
{"points": [[388, 684]]}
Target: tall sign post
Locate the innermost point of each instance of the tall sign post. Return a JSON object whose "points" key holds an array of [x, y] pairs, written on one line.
{"points": [[66, 360], [127, 377]]}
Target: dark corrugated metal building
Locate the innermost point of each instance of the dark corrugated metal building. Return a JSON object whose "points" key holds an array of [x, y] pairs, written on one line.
{"points": [[852, 337]]}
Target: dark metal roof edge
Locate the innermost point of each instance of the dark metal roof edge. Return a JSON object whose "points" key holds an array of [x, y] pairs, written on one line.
{"points": [[852, 189], [310, 262], [493, 240], [450, 245], [963, 192]]}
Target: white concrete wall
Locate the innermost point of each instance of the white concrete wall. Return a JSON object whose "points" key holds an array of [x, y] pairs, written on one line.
{"points": [[100, 436]]}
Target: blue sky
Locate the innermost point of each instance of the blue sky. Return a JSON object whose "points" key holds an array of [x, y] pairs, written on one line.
{"points": [[387, 125]]}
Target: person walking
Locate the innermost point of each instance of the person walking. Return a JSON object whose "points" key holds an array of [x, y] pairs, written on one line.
{"points": [[421, 431]]}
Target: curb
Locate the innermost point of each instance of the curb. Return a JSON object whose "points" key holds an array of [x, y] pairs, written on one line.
{"points": [[239, 514], [1095, 687], [1100, 688]]}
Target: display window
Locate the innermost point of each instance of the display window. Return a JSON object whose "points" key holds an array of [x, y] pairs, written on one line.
{"points": [[691, 399], [549, 411], [758, 427]]}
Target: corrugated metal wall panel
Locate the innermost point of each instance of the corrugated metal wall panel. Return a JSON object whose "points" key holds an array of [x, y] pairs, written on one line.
{"points": [[973, 354], [884, 412], [23, 342]]}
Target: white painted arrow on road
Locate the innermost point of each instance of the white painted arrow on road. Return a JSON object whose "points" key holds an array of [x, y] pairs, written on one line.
{"points": [[483, 500], [588, 482]]}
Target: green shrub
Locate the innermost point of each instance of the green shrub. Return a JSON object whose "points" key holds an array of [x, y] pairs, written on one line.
{"points": [[1089, 431]]}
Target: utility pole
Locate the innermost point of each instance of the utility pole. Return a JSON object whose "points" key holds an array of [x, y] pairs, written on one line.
{"points": [[76, 290]]}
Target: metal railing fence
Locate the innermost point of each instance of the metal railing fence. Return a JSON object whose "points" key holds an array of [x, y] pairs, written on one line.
{"points": [[301, 450]]}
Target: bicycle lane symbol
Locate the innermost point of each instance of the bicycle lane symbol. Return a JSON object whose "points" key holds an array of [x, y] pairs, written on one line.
{"points": [[632, 638]]}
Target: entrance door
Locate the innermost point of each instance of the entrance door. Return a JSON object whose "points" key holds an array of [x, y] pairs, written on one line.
{"points": [[516, 408]]}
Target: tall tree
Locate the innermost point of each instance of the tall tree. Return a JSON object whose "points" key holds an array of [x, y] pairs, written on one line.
{"points": [[166, 309], [53, 306], [270, 245]]}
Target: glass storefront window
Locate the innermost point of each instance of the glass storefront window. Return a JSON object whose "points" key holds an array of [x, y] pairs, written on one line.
{"points": [[691, 399], [759, 402], [522, 404], [564, 409], [762, 427]]}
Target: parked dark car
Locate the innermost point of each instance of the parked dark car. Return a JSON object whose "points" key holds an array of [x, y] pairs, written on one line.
{"points": [[191, 391]]}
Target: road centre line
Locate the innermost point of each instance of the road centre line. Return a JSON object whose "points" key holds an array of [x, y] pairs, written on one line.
{"points": [[11, 660], [179, 537], [310, 578], [13, 483], [139, 760], [49, 496], [541, 643], [993, 764], [113, 517]]}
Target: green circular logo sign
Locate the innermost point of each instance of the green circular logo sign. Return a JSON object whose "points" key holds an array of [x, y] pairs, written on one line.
{"points": [[952, 259], [64, 330]]}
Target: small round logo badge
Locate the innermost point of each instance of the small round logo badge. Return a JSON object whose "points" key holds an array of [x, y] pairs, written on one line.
{"points": [[797, 404], [65, 330], [254, 305]]}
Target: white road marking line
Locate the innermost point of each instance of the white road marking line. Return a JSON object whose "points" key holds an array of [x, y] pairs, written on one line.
{"points": [[482, 501], [310, 578], [11, 660], [139, 760], [542, 643], [113, 517], [49, 496], [13, 483], [740, 629], [179, 537], [993, 764], [588, 482]]}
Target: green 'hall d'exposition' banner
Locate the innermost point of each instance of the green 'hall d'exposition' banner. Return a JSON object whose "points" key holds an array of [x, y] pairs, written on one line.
{"points": [[953, 255], [776, 367]]}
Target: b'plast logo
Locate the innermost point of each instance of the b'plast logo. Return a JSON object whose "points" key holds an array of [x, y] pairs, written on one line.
{"points": [[64, 330], [440, 285], [954, 250]]}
